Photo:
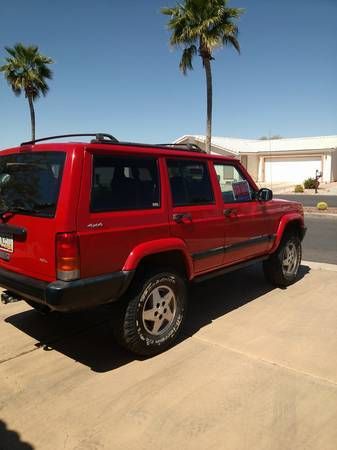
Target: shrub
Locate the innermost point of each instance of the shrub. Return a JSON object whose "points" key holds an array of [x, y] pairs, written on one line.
{"points": [[298, 188], [310, 183], [322, 206]]}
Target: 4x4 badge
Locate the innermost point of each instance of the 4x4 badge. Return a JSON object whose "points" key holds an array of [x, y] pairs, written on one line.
{"points": [[95, 225]]}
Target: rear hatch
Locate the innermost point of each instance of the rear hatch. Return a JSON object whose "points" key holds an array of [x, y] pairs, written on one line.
{"points": [[29, 189]]}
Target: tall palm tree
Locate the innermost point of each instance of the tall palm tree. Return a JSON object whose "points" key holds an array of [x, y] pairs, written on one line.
{"points": [[26, 70], [199, 27]]}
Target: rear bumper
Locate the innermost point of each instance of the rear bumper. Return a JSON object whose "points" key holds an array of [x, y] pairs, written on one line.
{"points": [[68, 295]]}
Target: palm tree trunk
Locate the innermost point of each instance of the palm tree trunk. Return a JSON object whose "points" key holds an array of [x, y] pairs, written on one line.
{"points": [[32, 116], [208, 71]]}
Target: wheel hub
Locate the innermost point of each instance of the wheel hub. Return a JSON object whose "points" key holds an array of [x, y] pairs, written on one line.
{"points": [[159, 310], [290, 259]]}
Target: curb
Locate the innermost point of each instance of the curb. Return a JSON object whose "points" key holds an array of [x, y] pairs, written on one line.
{"points": [[317, 214], [320, 266]]}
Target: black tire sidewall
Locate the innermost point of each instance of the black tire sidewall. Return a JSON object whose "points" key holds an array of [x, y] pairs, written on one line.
{"points": [[297, 242], [147, 341]]}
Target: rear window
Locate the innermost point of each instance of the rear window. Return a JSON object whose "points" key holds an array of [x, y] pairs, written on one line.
{"points": [[190, 183], [30, 182], [121, 183]]}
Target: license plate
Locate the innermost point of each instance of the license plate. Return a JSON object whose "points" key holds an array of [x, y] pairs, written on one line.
{"points": [[6, 242]]}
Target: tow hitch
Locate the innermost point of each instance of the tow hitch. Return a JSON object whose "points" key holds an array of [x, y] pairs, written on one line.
{"points": [[9, 297]]}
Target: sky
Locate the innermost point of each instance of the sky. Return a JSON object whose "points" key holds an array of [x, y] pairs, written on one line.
{"points": [[115, 72]]}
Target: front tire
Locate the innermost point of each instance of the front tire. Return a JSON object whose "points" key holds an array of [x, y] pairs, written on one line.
{"points": [[281, 269], [150, 320]]}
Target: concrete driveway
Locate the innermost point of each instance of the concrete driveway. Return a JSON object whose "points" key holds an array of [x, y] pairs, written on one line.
{"points": [[256, 369]]}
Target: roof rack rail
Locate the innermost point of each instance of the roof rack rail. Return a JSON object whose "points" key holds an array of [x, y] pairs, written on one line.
{"points": [[99, 138], [189, 147]]}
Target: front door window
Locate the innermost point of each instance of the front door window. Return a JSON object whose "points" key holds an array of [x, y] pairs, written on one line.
{"points": [[246, 224]]}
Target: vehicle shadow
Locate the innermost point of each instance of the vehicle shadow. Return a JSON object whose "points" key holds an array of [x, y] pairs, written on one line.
{"points": [[10, 440], [87, 338]]}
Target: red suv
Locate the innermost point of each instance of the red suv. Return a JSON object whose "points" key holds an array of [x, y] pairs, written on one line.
{"points": [[84, 224]]}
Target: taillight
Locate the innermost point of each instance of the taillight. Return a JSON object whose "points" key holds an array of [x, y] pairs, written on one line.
{"points": [[67, 256]]}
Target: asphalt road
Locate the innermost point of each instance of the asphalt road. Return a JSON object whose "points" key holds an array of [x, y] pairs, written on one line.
{"points": [[320, 242], [311, 200]]}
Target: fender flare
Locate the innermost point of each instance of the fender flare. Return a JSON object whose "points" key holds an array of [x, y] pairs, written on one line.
{"points": [[159, 246], [285, 220]]}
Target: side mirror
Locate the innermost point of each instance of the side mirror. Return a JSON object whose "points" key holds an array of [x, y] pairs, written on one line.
{"points": [[264, 195]]}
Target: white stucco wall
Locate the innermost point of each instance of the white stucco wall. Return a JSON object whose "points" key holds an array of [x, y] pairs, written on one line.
{"points": [[256, 162], [326, 159], [253, 166], [334, 166]]}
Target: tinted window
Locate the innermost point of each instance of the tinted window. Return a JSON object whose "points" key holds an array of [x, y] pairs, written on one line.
{"points": [[124, 183], [30, 182], [190, 182], [234, 187]]}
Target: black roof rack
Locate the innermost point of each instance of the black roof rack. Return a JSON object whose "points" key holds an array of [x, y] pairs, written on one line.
{"points": [[189, 147], [104, 138], [184, 147], [99, 138]]}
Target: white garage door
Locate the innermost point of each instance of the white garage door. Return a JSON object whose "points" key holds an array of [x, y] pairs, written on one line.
{"points": [[293, 170]]}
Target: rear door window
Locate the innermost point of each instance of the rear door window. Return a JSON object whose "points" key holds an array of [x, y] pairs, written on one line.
{"points": [[190, 182], [30, 182], [124, 183]]}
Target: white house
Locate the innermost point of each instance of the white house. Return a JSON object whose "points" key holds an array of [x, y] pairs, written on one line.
{"points": [[278, 160]]}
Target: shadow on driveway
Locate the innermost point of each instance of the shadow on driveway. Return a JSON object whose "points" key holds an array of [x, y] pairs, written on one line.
{"points": [[86, 337], [10, 440]]}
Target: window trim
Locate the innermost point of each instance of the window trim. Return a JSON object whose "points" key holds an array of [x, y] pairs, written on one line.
{"points": [[155, 159], [237, 167], [198, 161]]}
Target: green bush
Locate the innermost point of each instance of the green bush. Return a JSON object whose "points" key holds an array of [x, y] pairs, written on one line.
{"points": [[298, 188], [322, 206], [310, 183]]}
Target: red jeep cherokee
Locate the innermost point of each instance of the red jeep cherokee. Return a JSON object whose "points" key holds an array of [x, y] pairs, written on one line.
{"points": [[84, 224]]}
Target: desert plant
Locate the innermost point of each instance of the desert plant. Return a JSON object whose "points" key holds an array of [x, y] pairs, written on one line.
{"points": [[310, 183], [298, 188], [322, 206]]}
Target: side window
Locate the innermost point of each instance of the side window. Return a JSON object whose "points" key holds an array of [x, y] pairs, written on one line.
{"points": [[190, 182], [120, 183], [234, 187]]}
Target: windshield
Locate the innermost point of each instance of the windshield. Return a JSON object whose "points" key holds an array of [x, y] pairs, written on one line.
{"points": [[30, 182]]}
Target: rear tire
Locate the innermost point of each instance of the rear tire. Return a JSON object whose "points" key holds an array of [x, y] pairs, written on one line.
{"points": [[150, 317], [281, 269]]}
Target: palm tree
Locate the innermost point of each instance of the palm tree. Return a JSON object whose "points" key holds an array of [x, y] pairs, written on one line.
{"points": [[199, 27], [26, 71]]}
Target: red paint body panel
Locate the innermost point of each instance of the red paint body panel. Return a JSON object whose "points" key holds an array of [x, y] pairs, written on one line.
{"points": [[106, 248], [115, 241], [284, 221], [159, 246], [35, 256], [202, 232]]}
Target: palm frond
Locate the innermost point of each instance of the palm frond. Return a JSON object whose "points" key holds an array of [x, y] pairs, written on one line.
{"points": [[207, 23], [26, 70], [186, 59]]}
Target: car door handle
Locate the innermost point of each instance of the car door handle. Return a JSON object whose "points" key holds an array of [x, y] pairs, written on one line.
{"points": [[182, 217], [230, 212]]}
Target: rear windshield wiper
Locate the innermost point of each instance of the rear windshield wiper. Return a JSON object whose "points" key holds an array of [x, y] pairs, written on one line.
{"points": [[15, 209], [38, 206], [36, 209]]}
